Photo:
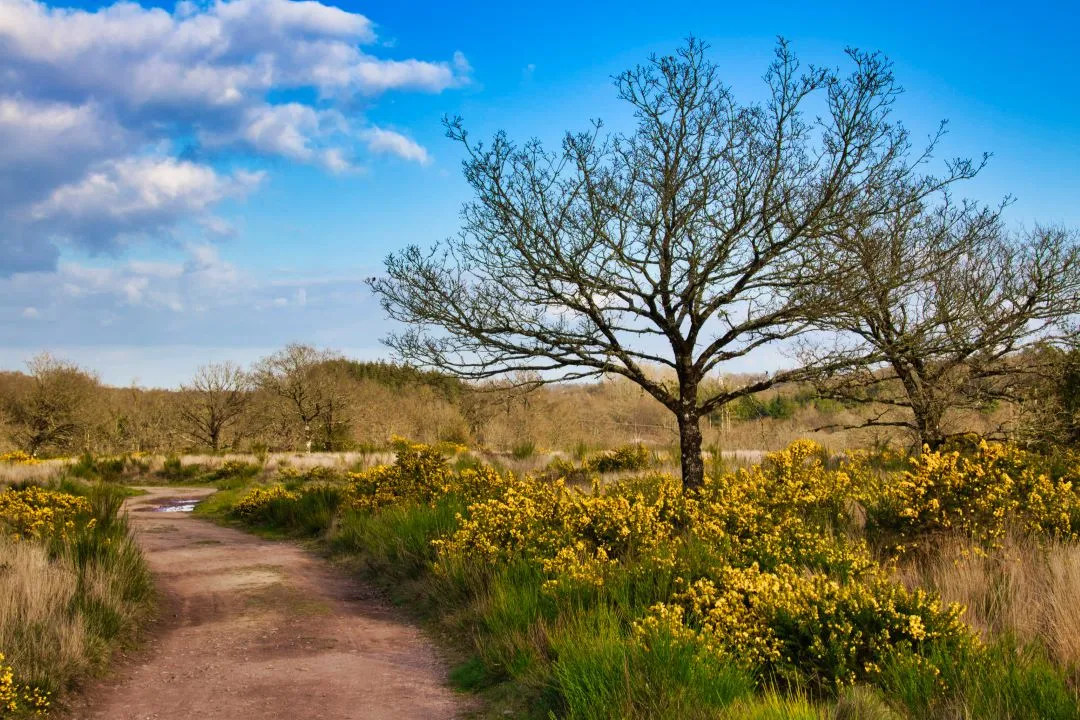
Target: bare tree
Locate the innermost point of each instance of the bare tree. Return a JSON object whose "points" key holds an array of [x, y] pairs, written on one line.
{"points": [[52, 413], [684, 244], [937, 302], [214, 401], [310, 387]]}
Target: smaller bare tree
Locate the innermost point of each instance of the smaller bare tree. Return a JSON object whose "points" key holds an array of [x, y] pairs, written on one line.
{"points": [[936, 304], [213, 402], [309, 385]]}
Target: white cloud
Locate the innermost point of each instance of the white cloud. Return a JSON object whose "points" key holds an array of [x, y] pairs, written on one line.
{"points": [[30, 313], [387, 141], [87, 96], [136, 196]]}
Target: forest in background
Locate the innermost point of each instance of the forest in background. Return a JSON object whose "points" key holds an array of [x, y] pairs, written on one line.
{"points": [[302, 398]]}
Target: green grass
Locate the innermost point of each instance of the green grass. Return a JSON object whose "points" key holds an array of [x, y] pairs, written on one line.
{"points": [[600, 672], [1005, 681]]}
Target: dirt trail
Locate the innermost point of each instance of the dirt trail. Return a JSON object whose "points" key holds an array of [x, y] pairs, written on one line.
{"points": [[253, 628]]}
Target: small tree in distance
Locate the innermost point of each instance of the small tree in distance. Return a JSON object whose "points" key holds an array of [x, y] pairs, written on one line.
{"points": [[213, 402], [53, 414], [306, 381], [685, 244]]}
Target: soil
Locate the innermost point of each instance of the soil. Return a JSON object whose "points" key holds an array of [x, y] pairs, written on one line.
{"points": [[256, 628]]}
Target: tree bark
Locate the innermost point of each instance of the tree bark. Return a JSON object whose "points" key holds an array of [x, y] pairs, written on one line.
{"points": [[693, 467]]}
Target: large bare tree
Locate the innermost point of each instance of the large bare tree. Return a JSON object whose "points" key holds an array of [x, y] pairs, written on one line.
{"points": [[213, 402], [684, 244], [936, 303]]}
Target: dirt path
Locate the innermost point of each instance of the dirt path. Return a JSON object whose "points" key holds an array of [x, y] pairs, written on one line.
{"points": [[253, 628]]}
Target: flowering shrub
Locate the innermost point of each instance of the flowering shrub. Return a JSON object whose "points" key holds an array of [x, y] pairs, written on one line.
{"points": [[800, 627], [18, 457], [9, 696], [983, 493], [626, 457], [575, 536], [788, 510], [420, 474], [37, 513], [254, 504], [14, 698]]}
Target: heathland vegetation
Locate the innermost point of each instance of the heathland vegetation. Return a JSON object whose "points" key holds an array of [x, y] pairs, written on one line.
{"points": [[568, 510], [74, 586]]}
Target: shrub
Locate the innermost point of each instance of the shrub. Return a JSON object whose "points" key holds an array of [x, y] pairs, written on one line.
{"points": [[306, 511], [982, 492], [108, 468], [233, 473], [174, 470], [524, 450], [806, 628], [624, 458], [18, 457], [253, 507], [42, 514]]}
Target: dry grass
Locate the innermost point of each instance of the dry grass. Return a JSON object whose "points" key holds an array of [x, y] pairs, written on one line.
{"points": [[39, 472], [40, 636], [277, 461], [1027, 589]]}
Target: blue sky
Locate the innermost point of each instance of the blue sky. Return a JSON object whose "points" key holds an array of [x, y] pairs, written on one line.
{"points": [[189, 182]]}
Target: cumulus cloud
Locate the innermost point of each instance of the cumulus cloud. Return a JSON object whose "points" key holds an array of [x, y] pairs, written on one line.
{"points": [[92, 104], [137, 196], [379, 140]]}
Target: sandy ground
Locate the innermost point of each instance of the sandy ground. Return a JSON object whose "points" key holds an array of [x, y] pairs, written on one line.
{"points": [[253, 628]]}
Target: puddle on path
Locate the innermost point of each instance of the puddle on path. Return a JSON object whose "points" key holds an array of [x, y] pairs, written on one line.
{"points": [[183, 505]]}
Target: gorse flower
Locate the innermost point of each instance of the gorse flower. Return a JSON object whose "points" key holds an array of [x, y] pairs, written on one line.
{"points": [[983, 493], [18, 457], [38, 513]]}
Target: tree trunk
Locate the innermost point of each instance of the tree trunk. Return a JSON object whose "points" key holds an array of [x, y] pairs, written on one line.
{"points": [[693, 467], [930, 432]]}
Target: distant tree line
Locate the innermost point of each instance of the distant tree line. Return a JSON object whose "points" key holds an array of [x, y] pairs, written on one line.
{"points": [[303, 395]]}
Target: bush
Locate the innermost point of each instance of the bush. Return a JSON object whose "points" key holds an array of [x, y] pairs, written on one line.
{"points": [[624, 458], [110, 469], [524, 450], [982, 491], [18, 457]]}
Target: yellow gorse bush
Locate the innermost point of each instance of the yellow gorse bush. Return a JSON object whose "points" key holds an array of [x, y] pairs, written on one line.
{"points": [[252, 504], [18, 457], [420, 474], [983, 493], [9, 696], [575, 536], [800, 626], [38, 513]]}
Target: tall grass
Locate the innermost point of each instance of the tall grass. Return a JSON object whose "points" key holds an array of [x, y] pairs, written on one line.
{"points": [[1026, 589], [66, 602]]}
